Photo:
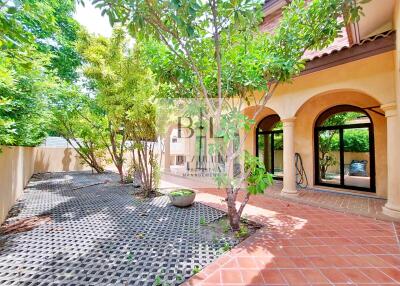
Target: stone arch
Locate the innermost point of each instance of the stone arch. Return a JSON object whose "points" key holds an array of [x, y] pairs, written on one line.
{"points": [[250, 143], [332, 98], [311, 109]]}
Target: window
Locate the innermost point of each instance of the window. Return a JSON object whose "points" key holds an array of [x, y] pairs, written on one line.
{"points": [[344, 149], [180, 160], [201, 152], [269, 144]]}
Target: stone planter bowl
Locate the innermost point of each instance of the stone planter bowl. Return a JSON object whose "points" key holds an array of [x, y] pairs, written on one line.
{"points": [[182, 197]]}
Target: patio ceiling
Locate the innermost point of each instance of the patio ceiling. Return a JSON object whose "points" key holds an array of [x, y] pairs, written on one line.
{"points": [[378, 18]]}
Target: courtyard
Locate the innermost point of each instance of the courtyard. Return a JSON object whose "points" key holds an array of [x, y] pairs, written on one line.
{"points": [[101, 234], [199, 143], [301, 244]]}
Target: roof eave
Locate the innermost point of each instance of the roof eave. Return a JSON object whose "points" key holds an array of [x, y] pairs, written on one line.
{"points": [[374, 46]]}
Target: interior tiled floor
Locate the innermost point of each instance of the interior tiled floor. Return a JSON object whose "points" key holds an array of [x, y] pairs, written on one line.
{"points": [[304, 245]]}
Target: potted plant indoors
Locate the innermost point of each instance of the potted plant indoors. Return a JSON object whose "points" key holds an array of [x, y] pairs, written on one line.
{"points": [[182, 197]]}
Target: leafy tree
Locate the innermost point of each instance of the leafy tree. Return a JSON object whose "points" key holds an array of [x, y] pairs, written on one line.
{"points": [[356, 140], [23, 97], [82, 123], [47, 27], [213, 50], [142, 132], [122, 85], [257, 179], [60, 40], [36, 53], [326, 146]]}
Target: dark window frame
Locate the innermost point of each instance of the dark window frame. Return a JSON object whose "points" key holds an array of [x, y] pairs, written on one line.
{"points": [[273, 117], [329, 112], [202, 152]]}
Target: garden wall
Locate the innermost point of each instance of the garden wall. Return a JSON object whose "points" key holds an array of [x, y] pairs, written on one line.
{"points": [[57, 160], [18, 164]]}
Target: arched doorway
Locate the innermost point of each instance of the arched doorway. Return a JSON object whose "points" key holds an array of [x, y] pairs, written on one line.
{"points": [[344, 149], [269, 144]]}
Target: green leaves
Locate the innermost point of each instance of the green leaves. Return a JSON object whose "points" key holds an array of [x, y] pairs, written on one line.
{"points": [[186, 57], [36, 54], [230, 124], [117, 74], [258, 179], [23, 102]]}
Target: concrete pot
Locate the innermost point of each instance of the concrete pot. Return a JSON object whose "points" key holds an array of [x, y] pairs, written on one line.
{"points": [[182, 200]]}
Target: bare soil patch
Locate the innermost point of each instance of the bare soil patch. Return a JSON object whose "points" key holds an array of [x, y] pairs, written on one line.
{"points": [[25, 224]]}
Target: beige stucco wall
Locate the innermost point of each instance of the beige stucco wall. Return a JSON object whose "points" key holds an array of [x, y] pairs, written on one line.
{"points": [[373, 76], [16, 167], [396, 25], [363, 83], [18, 164], [304, 132], [57, 160]]}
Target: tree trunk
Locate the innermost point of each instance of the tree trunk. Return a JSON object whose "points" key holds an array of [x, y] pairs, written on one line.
{"points": [[233, 215], [97, 167], [323, 172], [121, 173], [90, 159], [323, 168]]}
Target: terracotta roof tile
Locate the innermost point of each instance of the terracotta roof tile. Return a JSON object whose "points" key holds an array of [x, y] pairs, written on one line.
{"points": [[342, 42], [332, 49], [338, 44], [271, 21]]}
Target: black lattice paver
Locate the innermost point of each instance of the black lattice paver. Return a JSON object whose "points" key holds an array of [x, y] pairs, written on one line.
{"points": [[101, 235]]}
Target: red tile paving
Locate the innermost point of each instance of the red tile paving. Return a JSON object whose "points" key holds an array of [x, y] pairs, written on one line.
{"points": [[353, 202], [304, 245]]}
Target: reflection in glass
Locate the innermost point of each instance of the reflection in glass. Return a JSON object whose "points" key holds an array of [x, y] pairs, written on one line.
{"points": [[329, 157], [345, 148], [264, 150], [278, 154], [356, 157], [270, 144], [270, 151]]}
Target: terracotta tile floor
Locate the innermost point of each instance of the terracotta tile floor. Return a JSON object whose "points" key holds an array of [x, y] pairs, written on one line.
{"points": [[357, 202], [304, 245], [366, 205]]}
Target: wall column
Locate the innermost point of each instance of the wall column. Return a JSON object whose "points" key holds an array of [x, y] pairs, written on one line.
{"points": [[289, 169], [396, 25], [167, 152], [392, 207]]}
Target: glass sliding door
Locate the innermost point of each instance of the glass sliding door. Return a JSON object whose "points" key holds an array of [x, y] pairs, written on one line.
{"points": [[264, 146], [344, 149], [357, 159], [328, 156], [278, 154], [269, 145]]}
